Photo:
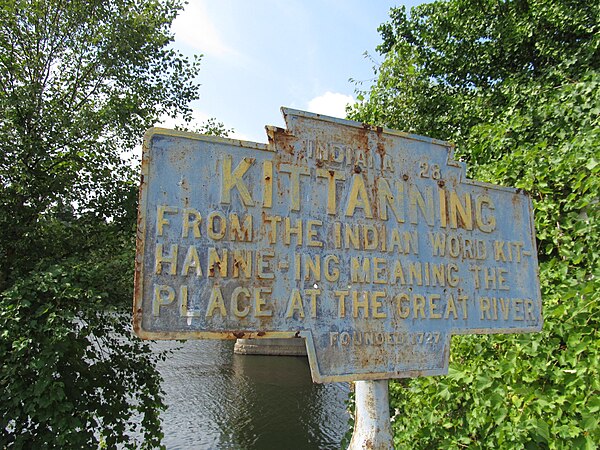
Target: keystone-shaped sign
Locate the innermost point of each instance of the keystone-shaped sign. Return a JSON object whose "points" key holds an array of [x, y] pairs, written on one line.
{"points": [[369, 243]]}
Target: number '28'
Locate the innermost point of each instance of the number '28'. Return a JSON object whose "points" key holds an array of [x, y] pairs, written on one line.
{"points": [[429, 171]]}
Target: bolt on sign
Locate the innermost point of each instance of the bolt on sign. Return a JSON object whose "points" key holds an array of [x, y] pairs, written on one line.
{"points": [[369, 243]]}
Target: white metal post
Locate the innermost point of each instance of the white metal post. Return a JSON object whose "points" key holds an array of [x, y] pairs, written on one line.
{"points": [[372, 428]]}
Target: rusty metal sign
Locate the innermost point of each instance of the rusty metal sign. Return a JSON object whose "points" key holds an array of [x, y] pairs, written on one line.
{"points": [[369, 243]]}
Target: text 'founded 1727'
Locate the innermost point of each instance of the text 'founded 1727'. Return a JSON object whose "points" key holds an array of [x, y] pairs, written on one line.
{"points": [[369, 243]]}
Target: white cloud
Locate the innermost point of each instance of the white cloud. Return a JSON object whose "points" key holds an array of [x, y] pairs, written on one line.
{"points": [[330, 104], [194, 28]]}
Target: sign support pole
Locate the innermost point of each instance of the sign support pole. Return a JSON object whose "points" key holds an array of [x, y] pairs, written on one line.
{"points": [[372, 428]]}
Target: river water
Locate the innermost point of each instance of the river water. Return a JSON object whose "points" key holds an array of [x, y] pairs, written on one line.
{"points": [[219, 400]]}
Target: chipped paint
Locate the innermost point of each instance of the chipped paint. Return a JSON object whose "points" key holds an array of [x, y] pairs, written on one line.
{"points": [[372, 427], [369, 243]]}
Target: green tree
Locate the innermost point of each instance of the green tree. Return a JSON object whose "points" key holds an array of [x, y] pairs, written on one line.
{"points": [[516, 85], [80, 81]]}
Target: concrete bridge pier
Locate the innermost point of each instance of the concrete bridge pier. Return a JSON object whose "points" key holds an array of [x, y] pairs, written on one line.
{"points": [[273, 347]]}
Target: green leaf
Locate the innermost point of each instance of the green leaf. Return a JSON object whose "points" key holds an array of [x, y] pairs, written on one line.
{"points": [[80, 82], [517, 89]]}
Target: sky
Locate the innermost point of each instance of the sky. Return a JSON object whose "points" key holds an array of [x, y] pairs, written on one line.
{"points": [[260, 55]]}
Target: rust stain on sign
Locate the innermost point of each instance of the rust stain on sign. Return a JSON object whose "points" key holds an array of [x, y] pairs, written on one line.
{"points": [[369, 243]]}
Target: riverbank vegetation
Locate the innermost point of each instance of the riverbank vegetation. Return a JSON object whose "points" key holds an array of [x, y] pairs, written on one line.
{"points": [[80, 81], [516, 85]]}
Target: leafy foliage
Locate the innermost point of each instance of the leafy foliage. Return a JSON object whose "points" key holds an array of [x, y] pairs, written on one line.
{"points": [[517, 86], [71, 372], [211, 128], [79, 83]]}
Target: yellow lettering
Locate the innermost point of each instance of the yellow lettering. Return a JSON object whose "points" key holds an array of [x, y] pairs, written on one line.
{"points": [[268, 184], [332, 274], [234, 179], [192, 260], [312, 266], [160, 299], [418, 306], [416, 203], [314, 293], [395, 241], [216, 233], [415, 273], [360, 273], [295, 172], [485, 308], [489, 276], [217, 264], [529, 306], [311, 233], [260, 302], [453, 279], [357, 190], [499, 254], [195, 222], [360, 304], [397, 273], [235, 302], [216, 303], [489, 225], [502, 279], [438, 275], [376, 305], [341, 296], [242, 261], [351, 233], [519, 313], [379, 270], [239, 232], [295, 305], [263, 266], [433, 306], [160, 259], [403, 305], [370, 237], [385, 199], [183, 303], [297, 267], [332, 176], [462, 299], [273, 220], [337, 235], [451, 308], [458, 209], [443, 212], [289, 230], [161, 221]]}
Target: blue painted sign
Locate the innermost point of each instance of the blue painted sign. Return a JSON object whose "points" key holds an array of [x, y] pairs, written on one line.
{"points": [[369, 243]]}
